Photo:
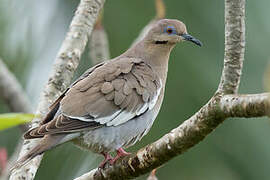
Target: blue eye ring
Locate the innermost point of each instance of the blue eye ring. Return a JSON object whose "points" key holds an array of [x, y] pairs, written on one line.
{"points": [[170, 30]]}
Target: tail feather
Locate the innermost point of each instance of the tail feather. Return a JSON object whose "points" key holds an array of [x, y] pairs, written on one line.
{"points": [[28, 157], [46, 143]]}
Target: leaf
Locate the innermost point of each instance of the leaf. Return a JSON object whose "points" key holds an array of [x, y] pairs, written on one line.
{"points": [[9, 120]]}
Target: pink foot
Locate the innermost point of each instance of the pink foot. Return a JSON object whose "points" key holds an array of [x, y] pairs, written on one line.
{"points": [[120, 153], [107, 157]]}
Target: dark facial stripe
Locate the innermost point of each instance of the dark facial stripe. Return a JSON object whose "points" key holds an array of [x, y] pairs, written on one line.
{"points": [[161, 42]]}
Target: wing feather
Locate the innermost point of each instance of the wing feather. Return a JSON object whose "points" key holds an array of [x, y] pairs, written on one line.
{"points": [[109, 94], [125, 89]]}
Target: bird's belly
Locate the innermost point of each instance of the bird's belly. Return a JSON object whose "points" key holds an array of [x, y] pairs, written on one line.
{"points": [[106, 139]]}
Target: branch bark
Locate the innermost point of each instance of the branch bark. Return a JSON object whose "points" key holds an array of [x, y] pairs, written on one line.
{"points": [[248, 105], [196, 128], [234, 46], [65, 64], [98, 43], [12, 92]]}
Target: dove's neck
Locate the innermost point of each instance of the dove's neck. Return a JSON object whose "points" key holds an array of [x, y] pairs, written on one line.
{"points": [[156, 55]]}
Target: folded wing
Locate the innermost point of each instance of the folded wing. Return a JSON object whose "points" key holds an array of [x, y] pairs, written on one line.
{"points": [[110, 95]]}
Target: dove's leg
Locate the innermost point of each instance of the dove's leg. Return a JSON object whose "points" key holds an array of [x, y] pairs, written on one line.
{"points": [[107, 157], [120, 153]]}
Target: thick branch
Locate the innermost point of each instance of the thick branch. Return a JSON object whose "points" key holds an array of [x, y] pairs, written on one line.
{"points": [[249, 105], [188, 134], [234, 46], [65, 64], [170, 145]]}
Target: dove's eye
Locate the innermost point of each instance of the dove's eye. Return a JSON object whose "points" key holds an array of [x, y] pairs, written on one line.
{"points": [[170, 30]]}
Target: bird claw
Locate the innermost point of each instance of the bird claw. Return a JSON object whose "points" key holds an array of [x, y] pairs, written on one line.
{"points": [[107, 158], [120, 153]]}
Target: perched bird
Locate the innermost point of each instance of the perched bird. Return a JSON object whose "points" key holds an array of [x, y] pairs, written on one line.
{"points": [[113, 104]]}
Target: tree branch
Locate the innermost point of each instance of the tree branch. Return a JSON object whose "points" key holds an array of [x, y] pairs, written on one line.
{"points": [[98, 43], [248, 105], [188, 134], [196, 128], [12, 92], [234, 46], [65, 64], [160, 14]]}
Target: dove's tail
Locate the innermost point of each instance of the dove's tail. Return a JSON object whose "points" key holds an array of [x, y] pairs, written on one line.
{"points": [[46, 143]]}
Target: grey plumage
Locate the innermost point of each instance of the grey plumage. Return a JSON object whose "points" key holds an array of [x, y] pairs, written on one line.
{"points": [[113, 104]]}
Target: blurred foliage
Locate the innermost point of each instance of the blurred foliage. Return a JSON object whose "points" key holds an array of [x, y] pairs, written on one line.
{"points": [[31, 33], [8, 120]]}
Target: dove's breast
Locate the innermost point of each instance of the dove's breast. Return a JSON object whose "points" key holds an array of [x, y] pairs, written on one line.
{"points": [[110, 138]]}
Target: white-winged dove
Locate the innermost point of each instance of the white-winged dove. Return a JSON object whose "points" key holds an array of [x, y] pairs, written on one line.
{"points": [[113, 104]]}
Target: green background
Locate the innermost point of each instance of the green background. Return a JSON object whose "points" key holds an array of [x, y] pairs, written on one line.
{"points": [[31, 33]]}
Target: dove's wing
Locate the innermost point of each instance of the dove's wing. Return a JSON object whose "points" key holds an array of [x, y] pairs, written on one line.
{"points": [[110, 95]]}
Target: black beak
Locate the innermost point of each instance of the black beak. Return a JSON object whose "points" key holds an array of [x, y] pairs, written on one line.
{"points": [[188, 37]]}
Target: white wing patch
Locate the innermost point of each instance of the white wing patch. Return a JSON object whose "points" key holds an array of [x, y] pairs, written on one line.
{"points": [[153, 102], [121, 116], [142, 109], [79, 118], [107, 119], [125, 116]]}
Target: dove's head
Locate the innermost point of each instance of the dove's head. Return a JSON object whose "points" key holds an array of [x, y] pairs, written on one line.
{"points": [[170, 32]]}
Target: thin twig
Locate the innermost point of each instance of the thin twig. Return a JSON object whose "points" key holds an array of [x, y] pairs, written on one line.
{"points": [[12, 92], [160, 9], [65, 64], [160, 14], [98, 43]]}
